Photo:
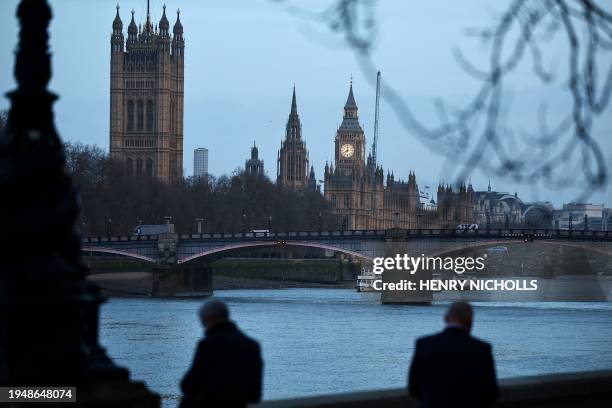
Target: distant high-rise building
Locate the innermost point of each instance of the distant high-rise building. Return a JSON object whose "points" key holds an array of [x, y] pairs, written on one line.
{"points": [[292, 170], [200, 162], [254, 166], [146, 98]]}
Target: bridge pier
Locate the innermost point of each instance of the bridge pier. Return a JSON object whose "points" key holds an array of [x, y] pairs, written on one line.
{"points": [[182, 281], [396, 244]]}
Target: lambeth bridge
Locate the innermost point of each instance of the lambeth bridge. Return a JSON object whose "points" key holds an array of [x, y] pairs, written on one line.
{"points": [[181, 260]]}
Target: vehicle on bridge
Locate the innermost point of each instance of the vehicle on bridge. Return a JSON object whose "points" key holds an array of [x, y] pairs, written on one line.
{"points": [[500, 249], [466, 227], [141, 230], [260, 232]]}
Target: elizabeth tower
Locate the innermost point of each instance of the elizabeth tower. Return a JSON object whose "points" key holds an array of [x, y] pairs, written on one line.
{"points": [[146, 98]]}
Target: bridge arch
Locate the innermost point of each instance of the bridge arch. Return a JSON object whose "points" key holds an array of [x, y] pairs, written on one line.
{"points": [[484, 244], [116, 251], [266, 244]]}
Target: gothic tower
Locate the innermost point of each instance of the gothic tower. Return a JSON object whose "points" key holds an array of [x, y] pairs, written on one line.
{"points": [[146, 98], [350, 140], [361, 199], [292, 168], [348, 187]]}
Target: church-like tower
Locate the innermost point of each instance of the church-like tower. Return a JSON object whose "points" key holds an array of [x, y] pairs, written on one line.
{"points": [[146, 98], [292, 167]]}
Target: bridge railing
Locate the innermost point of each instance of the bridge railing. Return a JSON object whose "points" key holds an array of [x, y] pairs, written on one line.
{"points": [[370, 234]]}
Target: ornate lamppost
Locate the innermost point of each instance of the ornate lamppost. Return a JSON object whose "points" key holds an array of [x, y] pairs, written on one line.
{"points": [[49, 313]]}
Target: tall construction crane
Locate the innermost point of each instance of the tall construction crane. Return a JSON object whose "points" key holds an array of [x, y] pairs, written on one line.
{"points": [[376, 117], [374, 148]]}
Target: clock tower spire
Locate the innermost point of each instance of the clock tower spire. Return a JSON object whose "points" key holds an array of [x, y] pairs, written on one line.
{"points": [[350, 139]]}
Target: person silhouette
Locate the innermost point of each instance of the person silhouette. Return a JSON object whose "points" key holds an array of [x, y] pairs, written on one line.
{"points": [[227, 366], [452, 368]]}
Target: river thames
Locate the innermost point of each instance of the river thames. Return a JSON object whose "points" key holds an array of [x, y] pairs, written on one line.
{"points": [[318, 341]]}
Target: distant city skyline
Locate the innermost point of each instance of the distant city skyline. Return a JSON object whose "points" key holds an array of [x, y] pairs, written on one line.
{"points": [[243, 58]]}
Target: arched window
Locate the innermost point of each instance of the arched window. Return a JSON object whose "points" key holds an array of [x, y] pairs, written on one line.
{"points": [[140, 123], [139, 167], [150, 115], [130, 166], [149, 167], [130, 115]]}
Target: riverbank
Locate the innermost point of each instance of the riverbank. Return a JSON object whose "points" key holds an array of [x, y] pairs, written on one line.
{"points": [[139, 284]]}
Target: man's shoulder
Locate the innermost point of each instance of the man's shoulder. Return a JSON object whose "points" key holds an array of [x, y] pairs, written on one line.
{"points": [[443, 337], [484, 345], [426, 341], [249, 340], [234, 334]]}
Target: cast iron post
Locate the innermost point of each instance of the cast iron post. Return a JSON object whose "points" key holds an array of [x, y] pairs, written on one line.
{"points": [[48, 311]]}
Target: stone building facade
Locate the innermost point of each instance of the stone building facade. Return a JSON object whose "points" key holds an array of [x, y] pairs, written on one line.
{"points": [[292, 164], [363, 199], [146, 98], [498, 209]]}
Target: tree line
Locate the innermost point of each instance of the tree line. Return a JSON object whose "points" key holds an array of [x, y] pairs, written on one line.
{"points": [[112, 202]]}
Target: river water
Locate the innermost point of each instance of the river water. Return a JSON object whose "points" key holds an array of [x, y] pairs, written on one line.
{"points": [[318, 341]]}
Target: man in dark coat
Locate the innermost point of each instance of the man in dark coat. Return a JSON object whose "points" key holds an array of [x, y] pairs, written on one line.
{"points": [[227, 367], [452, 368]]}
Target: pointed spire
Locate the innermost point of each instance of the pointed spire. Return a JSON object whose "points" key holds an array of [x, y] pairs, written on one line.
{"points": [[164, 24], [132, 28], [254, 151], [117, 23], [293, 103], [178, 27], [148, 27], [350, 101]]}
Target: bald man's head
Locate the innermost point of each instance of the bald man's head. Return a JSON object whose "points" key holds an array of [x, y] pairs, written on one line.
{"points": [[213, 313], [460, 313]]}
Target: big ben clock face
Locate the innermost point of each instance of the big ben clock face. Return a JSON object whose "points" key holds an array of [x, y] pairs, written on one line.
{"points": [[347, 150]]}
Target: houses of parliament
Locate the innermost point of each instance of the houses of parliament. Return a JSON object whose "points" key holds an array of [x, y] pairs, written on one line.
{"points": [[146, 97], [358, 192], [356, 188], [146, 136]]}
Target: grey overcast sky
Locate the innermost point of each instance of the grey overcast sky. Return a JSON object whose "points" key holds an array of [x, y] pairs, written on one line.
{"points": [[242, 58]]}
